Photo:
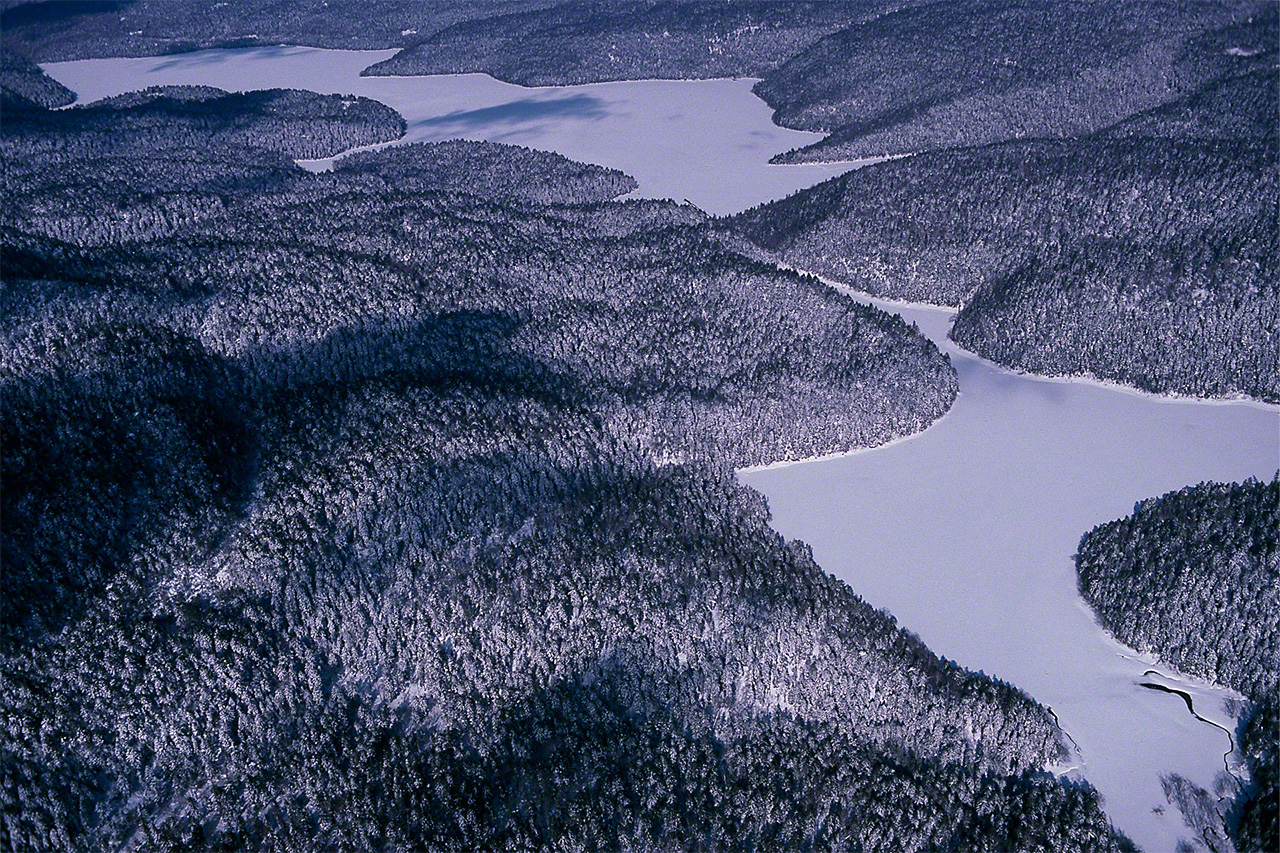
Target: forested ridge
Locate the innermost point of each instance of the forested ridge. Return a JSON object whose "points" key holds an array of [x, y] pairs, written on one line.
{"points": [[880, 77], [345, 514], [587, 41], [58, 30], [23, 84], [946, 74], [1145, 254], [1194, 577], [485, 169]]}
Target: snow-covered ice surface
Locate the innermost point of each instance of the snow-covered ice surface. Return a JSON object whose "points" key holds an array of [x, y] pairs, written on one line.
{"points": [[707, 141], [964, 532]]}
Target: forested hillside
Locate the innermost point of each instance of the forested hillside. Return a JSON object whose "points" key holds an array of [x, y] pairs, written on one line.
{"points": [[587, 41], [1194, 577], [23, 84], [947, 74], [345, 515], [1245, 108], [486, 169], [1145, 255], [144, 164], [57, 30]]}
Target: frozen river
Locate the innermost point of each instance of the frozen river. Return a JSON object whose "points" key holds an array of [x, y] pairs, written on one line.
{"points": [[966, 531]]}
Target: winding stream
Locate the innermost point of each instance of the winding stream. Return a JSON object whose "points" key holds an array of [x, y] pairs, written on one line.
{"points": [[965, 532]]}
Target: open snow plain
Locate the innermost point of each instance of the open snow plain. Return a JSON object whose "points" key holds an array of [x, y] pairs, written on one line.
{"points": [[964, 532]]}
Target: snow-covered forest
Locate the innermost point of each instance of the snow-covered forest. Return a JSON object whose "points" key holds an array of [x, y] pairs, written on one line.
{"points": [[390, 503], [346, 514], [1194, 577], [1145, 254]]}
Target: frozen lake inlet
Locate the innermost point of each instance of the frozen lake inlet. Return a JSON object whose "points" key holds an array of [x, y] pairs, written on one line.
{"points": [[964, 532], [705, 141]]}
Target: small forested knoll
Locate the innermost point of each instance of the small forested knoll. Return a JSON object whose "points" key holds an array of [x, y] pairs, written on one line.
{"points": [[1194, 577], [355, 518], [979, 71], [1148, 260], [587, 41], [489, 169], [299, 124], [23, 83]]}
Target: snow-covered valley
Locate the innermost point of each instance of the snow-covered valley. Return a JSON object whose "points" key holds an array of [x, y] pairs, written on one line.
{"points": [[964, 532]]}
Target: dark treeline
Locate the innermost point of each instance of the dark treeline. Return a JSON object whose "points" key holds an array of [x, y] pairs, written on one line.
{"points": [[352, 517], [979, 71], [57, 30], [1194, 577], [1146, 254]]}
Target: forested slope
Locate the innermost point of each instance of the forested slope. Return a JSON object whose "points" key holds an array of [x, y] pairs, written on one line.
{"points": [[1146, 254], [587, 41], [57, 30], [949, 74], [353, 517], [23, 84], [1194, 577], [487, 169], [143, 164]]}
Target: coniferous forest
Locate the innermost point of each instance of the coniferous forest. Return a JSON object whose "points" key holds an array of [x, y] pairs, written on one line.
{"points": [[392, 507], [1194, 577], [1144, 254], [340, 514]]}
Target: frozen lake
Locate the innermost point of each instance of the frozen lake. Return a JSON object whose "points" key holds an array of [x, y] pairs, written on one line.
{"points": [[708, 141], [966, 531]]}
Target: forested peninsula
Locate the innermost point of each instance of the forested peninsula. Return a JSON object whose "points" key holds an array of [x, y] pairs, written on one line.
{"points": [[1145, 254], [1194, 577]]}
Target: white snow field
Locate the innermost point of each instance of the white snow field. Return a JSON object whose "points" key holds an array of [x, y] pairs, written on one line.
{"points": [[964, 532], [705, 141]]}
